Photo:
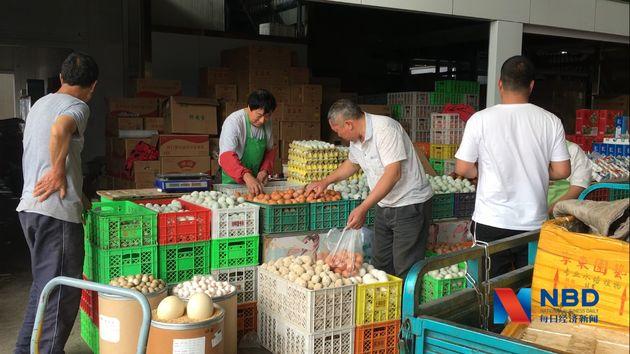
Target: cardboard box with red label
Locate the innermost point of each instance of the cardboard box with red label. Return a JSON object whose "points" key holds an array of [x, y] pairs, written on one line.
{"points": [[185, 164], [184, 145]]}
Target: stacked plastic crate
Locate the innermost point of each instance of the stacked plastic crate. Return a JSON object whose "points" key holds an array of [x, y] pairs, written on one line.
{"points": [[446, 134], [294, 319], [120, 240], [455, 92], [377, 317], [234, 258], [413, 111]]}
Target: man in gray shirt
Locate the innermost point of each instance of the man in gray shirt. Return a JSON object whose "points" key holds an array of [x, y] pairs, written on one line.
{"points": [[51, 205]]}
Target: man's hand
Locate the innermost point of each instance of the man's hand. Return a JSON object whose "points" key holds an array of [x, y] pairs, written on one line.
{"points": [[51, 182], [319, 187], [356, 219], [253, 184], [262, 177]]}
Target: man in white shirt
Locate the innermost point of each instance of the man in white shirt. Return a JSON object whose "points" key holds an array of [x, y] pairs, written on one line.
{"points": [[514, 148], [398, 185]]}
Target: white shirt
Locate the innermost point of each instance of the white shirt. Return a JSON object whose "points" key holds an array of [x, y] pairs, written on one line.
{"points": [[513, 145], [234, 133], [385, 142], [581, 167]]}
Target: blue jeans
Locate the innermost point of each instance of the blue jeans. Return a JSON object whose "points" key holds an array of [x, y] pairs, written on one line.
{"points": [[56, 248]]}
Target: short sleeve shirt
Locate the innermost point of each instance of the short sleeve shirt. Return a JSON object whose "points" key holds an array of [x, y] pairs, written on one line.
{"points": [[386, 142], [234, 133], [36, 157]]}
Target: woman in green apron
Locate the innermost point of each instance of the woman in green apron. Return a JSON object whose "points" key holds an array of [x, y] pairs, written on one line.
{"points": [[579, 179], [246, 145]]}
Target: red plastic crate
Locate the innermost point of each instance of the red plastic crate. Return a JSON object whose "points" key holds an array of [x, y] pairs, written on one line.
{"points": [[89, 303], [247, 319], [381, 337], [191, 225]]}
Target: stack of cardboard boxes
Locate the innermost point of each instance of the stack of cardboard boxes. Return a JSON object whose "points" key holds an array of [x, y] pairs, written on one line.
{"points": [[246, 69], [179, 127]]}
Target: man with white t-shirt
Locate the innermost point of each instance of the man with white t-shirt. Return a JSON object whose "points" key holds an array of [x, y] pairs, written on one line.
{"points": [[514, 148], [398, 185]]}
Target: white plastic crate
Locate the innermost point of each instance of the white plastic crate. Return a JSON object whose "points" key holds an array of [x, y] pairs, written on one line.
{"points": [[408, 98], [280, 337], [446, 136], [444, 121], [311, 311], [244, 279], [235, 222]]}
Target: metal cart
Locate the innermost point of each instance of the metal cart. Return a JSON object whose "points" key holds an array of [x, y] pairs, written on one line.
{"points": [[88, 285]]}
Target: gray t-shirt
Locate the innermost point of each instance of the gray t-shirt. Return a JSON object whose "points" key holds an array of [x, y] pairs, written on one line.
{"points": [[36, 159]]}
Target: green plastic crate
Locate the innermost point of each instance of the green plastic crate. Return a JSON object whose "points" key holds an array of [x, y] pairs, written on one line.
{"points": [[89, 331], [442, 206], [396, 111], [88, 259], [125, 261], [433, 288], [371, 214], [123, 224], [617, 194], [327, 215], [284, 218], [180, 261], [234, 252]]}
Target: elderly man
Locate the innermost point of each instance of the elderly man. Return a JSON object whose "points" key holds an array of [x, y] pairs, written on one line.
{"points": [[398, 185]]}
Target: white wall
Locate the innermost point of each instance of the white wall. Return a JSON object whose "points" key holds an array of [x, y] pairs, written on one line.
{"points": [[179, 56], [602, 16]]}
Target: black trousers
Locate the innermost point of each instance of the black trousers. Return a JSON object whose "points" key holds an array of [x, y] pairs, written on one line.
{"points": [[505, 261], [56, 249], [400, 237]]}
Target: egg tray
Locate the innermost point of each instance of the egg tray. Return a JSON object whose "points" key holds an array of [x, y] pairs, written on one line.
{"points": [[280, 337], [190, 225], [114, 225], [180, 262], [433, 288], [379, 302], [244, 279]]}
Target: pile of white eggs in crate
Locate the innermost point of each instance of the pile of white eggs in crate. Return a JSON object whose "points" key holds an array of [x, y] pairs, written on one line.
{"points": [[173, 207], [448, 184], [355, 189], [450, 272], [214, 200]]}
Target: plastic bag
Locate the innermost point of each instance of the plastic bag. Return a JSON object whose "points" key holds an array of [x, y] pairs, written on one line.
{"points": [[342, 251]]}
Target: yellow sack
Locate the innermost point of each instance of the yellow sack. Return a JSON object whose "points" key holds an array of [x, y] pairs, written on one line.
{"points": [[571, 260]]}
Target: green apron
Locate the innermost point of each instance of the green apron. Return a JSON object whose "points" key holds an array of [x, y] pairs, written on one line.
{"points": [[253, 153], [557, 189]]}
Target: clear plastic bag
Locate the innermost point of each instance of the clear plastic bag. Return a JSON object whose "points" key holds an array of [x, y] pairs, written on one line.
{"points": [[342, 251]]}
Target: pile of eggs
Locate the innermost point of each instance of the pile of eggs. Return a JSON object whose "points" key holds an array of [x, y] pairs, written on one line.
{"points": [[214, 199], [144, 283], [448, 184], [173, 207], [355, 189], [311, 160], [203, 284], [199, 307], [450, 272]]}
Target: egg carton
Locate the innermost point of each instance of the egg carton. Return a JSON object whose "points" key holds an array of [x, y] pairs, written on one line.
{"points": [[310, 311], [280, 337], [244, 279], [239, 221]]}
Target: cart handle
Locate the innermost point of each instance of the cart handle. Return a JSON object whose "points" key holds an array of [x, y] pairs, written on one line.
{"points": [[88, 285], [620, 186]]}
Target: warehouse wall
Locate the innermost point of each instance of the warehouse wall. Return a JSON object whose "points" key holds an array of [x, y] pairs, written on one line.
{"points": [[35, 35], [179, 56]]}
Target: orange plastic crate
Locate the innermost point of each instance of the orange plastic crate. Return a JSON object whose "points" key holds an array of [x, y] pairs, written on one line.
{"points": [[380, 337], [247, 319]]}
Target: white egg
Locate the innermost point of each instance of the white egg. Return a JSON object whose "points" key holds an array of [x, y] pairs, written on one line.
{"points": [[170, 308], [199, 307]]}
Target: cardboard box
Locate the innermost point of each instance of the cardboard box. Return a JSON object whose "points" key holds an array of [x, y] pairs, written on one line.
{"points": [[156, 88], [257, 56], [144, 173], [225, 92], [214, 145], [299, 76], [282, 93], [209, 77], [190, 115], [132, 107], [617, 103], [227, 108], [115, 124], [300, 113], [306, 94], [254, 79], [290, 131], [184, 145], [378, 109], [123, 147], [185, 164], [154, 123]]}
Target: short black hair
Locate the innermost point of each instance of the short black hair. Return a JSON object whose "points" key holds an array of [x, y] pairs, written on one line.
{"points": [[79, 69], [517, 73], [262, 98]]}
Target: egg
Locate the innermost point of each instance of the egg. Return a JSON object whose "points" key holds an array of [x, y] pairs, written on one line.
{"points": [[199, 307], [170, 308]]}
